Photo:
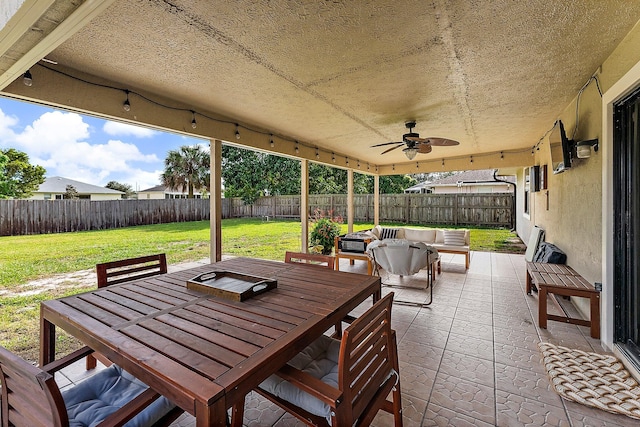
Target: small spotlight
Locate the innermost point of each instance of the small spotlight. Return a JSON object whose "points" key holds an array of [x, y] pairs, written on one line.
{"points": [[193, 121], [271, 143], [237, 132], [126, 106], [27, 79]]}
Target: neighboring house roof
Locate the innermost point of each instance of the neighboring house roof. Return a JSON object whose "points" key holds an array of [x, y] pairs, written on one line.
{"points": [[58, 184], [468, 177]]}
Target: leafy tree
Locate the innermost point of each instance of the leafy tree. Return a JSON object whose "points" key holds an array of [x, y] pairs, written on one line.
{"points": [[187, 168], [393, 184], [125, 188], [243, 174], [18, 178], [70, 192]]}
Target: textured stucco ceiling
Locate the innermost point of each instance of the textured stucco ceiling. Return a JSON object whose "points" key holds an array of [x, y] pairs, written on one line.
{"points": [[345, 75]]}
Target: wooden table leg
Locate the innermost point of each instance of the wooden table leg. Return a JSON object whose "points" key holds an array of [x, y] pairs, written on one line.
{"points": [[595, 315], [369, 267], [47, 341], [337, 263], [542, 306], [211, 416]]}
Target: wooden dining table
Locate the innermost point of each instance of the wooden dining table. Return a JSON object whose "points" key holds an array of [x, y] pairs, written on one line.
{"points": [[206, 352]]}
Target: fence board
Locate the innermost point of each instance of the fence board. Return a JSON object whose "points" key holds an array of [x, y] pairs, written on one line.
{"points": [[19, 217]]}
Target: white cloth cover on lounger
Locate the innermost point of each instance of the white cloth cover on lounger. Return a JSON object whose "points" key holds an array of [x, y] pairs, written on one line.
{"points": [[399, 256]]}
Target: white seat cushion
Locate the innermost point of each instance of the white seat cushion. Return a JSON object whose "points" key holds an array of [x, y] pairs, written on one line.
{"points": [[320, 359], [97, 397]]}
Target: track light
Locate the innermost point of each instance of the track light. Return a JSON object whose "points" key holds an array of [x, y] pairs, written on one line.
{"points": [[417, 165], [501, 155], [368, 167], [470, 159], [126, 106], [333, 157], [193, 121], [27, 79], [297, 148], [317, 154], [237, 132], [271, 143], [346, 159], [358, 164]]}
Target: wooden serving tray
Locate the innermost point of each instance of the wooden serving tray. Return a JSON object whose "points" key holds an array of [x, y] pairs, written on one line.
{"points": [[231, 285]]}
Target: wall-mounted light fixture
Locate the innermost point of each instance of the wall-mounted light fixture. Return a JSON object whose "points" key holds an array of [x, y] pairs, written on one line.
{"points": [[583, 148], [27, 78]]}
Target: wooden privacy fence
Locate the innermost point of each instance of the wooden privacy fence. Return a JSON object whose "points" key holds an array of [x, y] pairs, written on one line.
{"points": [[493, 210], [59, 216]]}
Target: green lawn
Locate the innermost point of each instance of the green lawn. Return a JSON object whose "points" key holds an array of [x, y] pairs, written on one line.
{"points": [[27, 258]]}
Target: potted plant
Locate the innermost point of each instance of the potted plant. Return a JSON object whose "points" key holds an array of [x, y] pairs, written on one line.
{"points": [[326, 228]]}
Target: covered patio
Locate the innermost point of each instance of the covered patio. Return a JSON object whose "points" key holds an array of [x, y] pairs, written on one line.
{"points": [[326, 81]]}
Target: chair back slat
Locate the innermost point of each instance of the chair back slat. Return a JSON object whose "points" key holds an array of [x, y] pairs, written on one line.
{"points": [[365, 362], [313, 260], [125, 270], [30, 396]]}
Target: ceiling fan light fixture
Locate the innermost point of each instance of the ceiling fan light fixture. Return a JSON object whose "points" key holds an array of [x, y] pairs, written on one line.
{"points": [[410, 152]]}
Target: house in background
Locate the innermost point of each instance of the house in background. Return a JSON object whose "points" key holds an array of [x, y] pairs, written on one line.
{"points": [[55, 187], [475, 181], [162, 192]]}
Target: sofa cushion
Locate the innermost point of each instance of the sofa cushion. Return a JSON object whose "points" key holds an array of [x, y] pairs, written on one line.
{"points": [[389, 233], [415, 235], [454, 237]]}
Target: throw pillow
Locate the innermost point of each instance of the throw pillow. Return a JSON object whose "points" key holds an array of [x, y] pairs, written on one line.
{"points": [[388, 233], [454, 237]]}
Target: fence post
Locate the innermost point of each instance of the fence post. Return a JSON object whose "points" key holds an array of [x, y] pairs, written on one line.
{"points": [[455, 211]]}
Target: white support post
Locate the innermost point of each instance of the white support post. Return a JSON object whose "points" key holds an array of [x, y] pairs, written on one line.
{"points": [[304, 204], [215, 201]]}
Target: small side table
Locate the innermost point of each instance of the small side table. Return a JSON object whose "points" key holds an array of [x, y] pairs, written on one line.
{"points": [[354, 256]]}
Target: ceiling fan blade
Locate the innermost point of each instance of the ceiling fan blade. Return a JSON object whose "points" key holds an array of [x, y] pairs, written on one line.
{"points": [[424, 148], [392, 148], [441, 142], [387, 143], [415, 138]]}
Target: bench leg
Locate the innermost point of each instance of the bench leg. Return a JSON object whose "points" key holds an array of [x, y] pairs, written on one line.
{"points": [[595, 316], [467, 260], [542, 306], [528, 283]]}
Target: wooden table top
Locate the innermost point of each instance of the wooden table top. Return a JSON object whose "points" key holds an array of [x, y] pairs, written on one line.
{"points": [[197, 349]]}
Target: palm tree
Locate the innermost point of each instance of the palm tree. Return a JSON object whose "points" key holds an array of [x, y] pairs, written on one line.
{"points": [[187, 169]]}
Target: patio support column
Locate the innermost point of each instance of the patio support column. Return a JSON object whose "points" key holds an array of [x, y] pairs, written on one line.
{"points": [[215, 200], [304, 204], [350, 200], [376, 200]]}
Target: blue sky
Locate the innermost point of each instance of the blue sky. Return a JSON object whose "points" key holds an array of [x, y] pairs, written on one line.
{"points": [[86, 148]]}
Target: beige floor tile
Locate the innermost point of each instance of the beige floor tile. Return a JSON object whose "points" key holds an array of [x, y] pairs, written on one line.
{"points": [[472, 399], [470, 346], [468, 368], [514, 410], [444, 417]]}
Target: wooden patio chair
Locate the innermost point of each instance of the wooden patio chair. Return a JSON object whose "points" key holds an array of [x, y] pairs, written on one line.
{"points": [[126, 270], [342, 382], [316, 260], [31, 398]]}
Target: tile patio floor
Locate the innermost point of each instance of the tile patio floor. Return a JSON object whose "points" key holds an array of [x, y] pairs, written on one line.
{"points": [[470, 358]]}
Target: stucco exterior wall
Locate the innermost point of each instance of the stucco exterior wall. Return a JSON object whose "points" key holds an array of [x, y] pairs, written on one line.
{"points": [[573, 218]]}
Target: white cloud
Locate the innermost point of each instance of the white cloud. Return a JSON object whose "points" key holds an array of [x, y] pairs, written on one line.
{"points": [[60, 142], [124, 129]]}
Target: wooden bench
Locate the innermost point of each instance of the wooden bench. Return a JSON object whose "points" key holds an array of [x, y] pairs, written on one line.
{"points": [[560, 279]]}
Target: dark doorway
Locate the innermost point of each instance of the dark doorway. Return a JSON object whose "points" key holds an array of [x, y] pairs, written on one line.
{"points": [[626, 187]]}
